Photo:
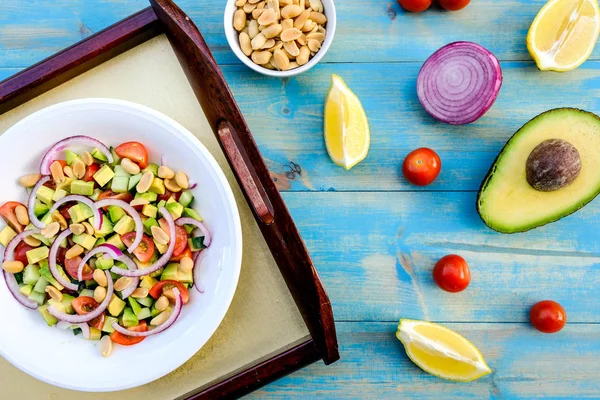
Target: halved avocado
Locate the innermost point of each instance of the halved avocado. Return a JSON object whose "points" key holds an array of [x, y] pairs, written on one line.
{"points": [[509, 203]]}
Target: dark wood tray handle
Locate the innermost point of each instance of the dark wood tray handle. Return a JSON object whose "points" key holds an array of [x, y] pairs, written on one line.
{"points": [[246, 173]]}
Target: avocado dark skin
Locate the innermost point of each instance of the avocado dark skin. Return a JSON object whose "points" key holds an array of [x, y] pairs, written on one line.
{"points": [[553, 165]]}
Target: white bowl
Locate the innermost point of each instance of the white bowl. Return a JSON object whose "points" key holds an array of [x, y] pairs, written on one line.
{"points": [[234, 43], [62, 359]]}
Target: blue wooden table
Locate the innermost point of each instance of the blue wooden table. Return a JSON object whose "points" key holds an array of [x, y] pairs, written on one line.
{"points": [[373, 237]]}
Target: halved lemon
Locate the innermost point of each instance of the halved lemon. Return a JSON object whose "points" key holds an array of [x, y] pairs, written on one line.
{"points": [[563, 34], [347, 135], [441, 351]]}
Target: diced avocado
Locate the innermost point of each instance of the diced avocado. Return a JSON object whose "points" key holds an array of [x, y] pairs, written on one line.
{"points": [[125, 224], [191, 213], [116, 241], [143, 314], [115, 213], [25, 290], [7, 235], [186, 198], [105, 229], [40, 285], [150, 211], [116, 158], [170, 272], [95, 333], [44, 194], [197, 243], [67, 299], [100, 241], [59, 194], [119, 184], [84, 240], [82, 187], [104, 175], [120, 171], [171, 200], [175, 209], [134, 180], [134, 305], [151, 167], [157, 186], [189, 229], [80, 212], [31, 274], [96, 195], [146, 301], [162, 248], [116, 306], [58, 305], [108, 321], [161, 204], [157, 273], [104, 263], [98, 155], [150, 196], [147, 282], [50, 320], [36, 255], [40, 208], [65, 185], [128, 318], [70, 156], [38, 297], [45, 273], [148, 224], [546, 171], [86, 293], [184, 277]]}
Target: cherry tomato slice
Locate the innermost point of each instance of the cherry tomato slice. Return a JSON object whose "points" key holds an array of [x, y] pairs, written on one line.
{"points": [[125, 340], [452, 274], [181, 236], [7, 211], [89, 172], [454, 5], [20, 252], [168, 194], [186, 253], [159, 287], [72, 265], [144, 251], [97, 322], [135, 151], [421, 166], [84, 304], [109, 194], [548, 316], [415, 5]]}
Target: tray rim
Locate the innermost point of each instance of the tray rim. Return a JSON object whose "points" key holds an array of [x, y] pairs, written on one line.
{"points": [[232, 133]]}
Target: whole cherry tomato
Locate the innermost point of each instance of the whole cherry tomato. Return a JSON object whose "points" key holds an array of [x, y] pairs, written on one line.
{"points": [[421, 166], [454, 5], [415, 5], [451, 273], [548, 316]]}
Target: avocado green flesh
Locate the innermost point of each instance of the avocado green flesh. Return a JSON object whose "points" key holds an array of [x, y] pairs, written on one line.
{"points": [[506, 201]]}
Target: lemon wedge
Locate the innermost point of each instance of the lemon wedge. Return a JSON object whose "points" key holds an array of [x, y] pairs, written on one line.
{"points": [[441, 351], [347, 134], [563, 34]]}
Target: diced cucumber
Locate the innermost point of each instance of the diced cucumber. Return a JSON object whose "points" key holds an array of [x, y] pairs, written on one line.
{"points": [[98, 155], [146, 301], [38, 254], [40, 285], [196, 243], [143, 314], [104, 263], [96, 195], [151, 167], [116, 158], [161, 204], [128, 318], [108, 321], [170, 272], [151, 197], [134, 305], [120, 171], [65, 185], [25, 290], [186, 198], [134, 180], [67, 299], [31, 274], [45, 273], [191, 213], [44, 194], [70, 156], [59, 194], [37, 297], [40, 208], [100, 241], [82, 187], [7, 235], [50, 319], [86, 293], [119, 184]]}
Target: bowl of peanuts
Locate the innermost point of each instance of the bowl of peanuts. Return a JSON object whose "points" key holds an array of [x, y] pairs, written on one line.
{"points": [[280, 38]]}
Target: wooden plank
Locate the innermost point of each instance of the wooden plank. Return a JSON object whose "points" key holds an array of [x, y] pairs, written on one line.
{"points": [[375, 253], [31, 30], [527, 365]]}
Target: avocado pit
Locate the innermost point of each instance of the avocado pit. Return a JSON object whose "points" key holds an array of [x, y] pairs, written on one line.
{"points": [[553, 165]]}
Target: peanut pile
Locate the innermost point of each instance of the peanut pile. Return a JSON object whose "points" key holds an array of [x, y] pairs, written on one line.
{"points": [[280, 34]]}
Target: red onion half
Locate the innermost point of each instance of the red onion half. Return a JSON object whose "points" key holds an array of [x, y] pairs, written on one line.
{"points": [[78, 319], [11, 281], [52, 261], [54, 152], [162, 327], [80, 199], [139, 225], [197, 224], [459, 83], [162, 261]]}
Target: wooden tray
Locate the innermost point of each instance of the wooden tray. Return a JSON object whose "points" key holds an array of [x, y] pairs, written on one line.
{"points": [[280, 319]]}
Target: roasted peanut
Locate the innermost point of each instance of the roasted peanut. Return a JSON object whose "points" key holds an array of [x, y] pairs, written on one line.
{"points": [[100, 277], [87, 158], [105, 346], [261, 57], [29, 180], [290, 34], [186, 264], [62, 222], [162, 303], [160, 318], [291, 48], [182, 180], [33, 242], [77, 229], [159, 235], [282, 62], [21, 214], [239, 20], [145, 183], [140, 293], [54, 293], [50, 230], [130, 167], [68, 172], [258, 41], [73, 252], [172, 186], [88, 228], [122, 283], [99, 294], [13, 267], [246, 47], [272, 31], [56, 170], [303, 55], [291, 11]]}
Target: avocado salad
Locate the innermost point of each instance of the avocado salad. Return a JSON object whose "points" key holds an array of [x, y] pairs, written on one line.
{"points": [[106, 244]]}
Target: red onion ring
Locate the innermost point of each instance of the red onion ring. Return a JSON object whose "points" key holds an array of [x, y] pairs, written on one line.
{"points": [[459, 83], [197, 224], [192, 185], [115, 254], [139, 226], [31, 203], [78, 319], [198, 259], [52, 153], [81, 199], [85, 328], [162, 261], [162, 327], [11, 281], [52, 261]]}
